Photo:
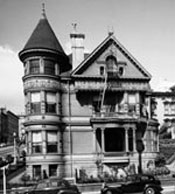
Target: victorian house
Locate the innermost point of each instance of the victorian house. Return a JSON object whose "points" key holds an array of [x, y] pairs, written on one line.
{"points": [[84, 111]]}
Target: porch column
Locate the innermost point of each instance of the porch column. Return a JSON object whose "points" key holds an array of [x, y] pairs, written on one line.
{"points": [[102, 140], [134, 139], [126, 139]]}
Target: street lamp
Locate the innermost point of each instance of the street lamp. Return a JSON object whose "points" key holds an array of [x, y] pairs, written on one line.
{"points": [[139, 143], [140, 149], [4, 178], [14, 148]]}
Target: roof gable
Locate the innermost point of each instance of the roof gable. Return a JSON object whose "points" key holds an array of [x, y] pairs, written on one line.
{"points": [[90, 67]]}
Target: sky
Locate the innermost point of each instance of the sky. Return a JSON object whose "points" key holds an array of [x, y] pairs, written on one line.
{"points": [[146, 28]]}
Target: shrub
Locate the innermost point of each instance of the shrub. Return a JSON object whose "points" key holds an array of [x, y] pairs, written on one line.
{"points": [[163, 170], [160, 161]]}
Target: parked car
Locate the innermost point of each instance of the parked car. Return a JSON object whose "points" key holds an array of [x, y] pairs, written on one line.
{"points": [[52, 187], [137, 183]]}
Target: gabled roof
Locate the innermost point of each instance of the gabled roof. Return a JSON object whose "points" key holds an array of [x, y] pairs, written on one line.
{"points": [[43, 37], [110, 39]]}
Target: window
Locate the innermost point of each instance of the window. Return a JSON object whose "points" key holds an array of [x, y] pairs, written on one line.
{"points": [[173, 108], [102, 70], [96, 105], [130, 139], [166, 108], [49, 67], [34, 66], [35, 102], [121, 71], [52, 142], [50, 102], [53, 170], [26, 68], [131, 99], [37, 171], [36, 142], [131, 102]]}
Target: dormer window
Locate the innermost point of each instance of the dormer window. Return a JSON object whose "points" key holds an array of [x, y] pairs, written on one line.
{"points": [[121, 68], [121, 71]]}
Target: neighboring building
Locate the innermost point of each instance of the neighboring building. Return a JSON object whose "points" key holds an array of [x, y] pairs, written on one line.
{"points": [[8, 126], [89, 116], [21, 130], [166, 110]]}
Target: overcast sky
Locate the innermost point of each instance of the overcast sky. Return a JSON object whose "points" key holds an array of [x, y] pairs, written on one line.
{"points": [[146, 28]]}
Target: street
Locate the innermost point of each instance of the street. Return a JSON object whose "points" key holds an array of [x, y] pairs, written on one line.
{"points": [[166, 190]]}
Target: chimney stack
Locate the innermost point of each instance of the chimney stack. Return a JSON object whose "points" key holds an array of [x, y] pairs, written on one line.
{"points": [[77, 40]]}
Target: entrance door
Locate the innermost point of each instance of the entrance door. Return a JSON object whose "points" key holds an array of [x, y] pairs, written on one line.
{"points": [[114, 140]]}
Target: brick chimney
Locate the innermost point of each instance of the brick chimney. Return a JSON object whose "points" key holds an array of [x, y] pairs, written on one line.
{"points": [[77, 40]]}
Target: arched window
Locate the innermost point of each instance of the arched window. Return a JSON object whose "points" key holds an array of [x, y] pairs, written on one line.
{"points": [[111, 63]]}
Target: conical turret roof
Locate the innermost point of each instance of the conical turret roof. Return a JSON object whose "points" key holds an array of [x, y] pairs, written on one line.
{"points": [[44, 42], [43, 37]]}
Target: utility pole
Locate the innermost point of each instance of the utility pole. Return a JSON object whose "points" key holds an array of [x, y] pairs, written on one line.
{"points": [[14, 148]]}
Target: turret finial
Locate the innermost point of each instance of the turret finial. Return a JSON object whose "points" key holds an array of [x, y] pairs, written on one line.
{"points": [[74, 27], [43, 10], [110, 30]]}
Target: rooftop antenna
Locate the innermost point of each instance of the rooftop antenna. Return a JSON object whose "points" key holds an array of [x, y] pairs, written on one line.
{"points": [[43, 10]]}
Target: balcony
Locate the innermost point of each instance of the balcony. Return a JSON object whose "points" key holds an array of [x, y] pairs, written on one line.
{"points": [[121, 111], [108, 157]]}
